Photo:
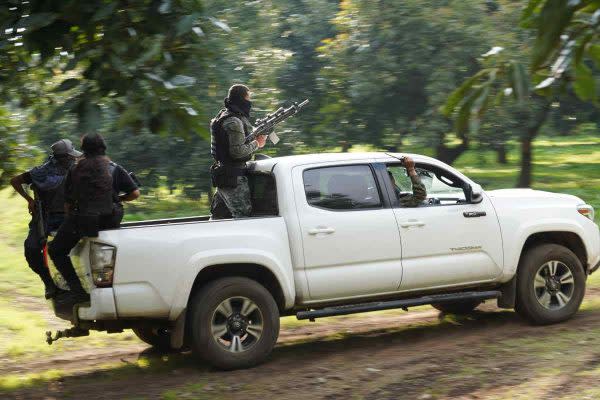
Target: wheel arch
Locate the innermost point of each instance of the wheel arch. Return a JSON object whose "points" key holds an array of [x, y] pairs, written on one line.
{"points": [[256, 272], [568, 239]]}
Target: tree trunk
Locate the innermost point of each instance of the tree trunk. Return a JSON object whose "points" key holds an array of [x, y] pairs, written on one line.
{"points": [[533, 130], [345, 146], [450, 154], [501, 153], [526, 158]]}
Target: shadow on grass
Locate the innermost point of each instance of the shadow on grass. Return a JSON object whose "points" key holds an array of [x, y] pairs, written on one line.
{"points": [[177, 368]]}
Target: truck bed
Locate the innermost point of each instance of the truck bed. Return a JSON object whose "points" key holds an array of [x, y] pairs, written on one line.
{"points": [[165, 221]]}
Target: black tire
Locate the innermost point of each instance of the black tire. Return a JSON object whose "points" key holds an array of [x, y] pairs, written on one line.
{"points": [[155, 337], [204, 312], [461, 307], [529, 301]]}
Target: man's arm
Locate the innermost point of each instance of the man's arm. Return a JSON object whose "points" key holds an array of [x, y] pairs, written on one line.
{"points": [[419, 191], [130, 196], [17, 183], [126, 185], [237, 147]]}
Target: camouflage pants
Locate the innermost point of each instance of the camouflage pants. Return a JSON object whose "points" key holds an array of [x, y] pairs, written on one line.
{"points": [[236, 200]]}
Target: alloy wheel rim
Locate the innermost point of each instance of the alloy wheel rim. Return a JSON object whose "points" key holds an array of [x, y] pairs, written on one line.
{"points": [[554, 285], [237, 324]]}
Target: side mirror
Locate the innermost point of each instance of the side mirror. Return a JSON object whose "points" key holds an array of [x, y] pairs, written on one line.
{"points": [[473, 194]]}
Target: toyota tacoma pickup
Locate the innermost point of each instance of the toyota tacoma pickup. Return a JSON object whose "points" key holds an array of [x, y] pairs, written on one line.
{"points": [[328, 237]]}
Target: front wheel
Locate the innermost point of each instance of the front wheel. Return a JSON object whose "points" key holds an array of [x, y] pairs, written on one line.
{"points": [[550, 284], [234, 323]]}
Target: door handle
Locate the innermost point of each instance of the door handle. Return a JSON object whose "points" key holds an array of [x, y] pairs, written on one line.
{"points": [[474, 214], [412, 222], [321, 229]]}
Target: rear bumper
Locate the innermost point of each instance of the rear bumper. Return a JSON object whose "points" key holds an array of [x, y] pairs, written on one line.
{"points": [[102, 306]]}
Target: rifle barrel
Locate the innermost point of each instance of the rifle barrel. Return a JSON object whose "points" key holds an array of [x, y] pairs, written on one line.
{"points": [[270, 120]]}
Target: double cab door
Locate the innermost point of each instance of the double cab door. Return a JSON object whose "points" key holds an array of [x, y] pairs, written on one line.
{"points": [[359, 241], [446, 241], [350, 241]]}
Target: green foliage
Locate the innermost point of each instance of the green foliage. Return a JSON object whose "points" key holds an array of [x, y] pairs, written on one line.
{"points": [[552, 20], [97, 55], [149, 74], [584, 85], [566, 35], [15, 149]]}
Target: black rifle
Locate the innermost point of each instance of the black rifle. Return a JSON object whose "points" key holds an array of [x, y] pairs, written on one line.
{"points": [[265, 125], [38, 219]]}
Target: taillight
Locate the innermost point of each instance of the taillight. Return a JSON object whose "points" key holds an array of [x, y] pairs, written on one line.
{"points": [[102, 263], [586, 210]]}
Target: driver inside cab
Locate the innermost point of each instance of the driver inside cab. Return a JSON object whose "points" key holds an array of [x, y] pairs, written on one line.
{"points": [[419, 192]]}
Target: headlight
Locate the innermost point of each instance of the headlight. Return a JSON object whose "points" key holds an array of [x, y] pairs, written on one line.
{"points": [[102, 262], [586, 210]]}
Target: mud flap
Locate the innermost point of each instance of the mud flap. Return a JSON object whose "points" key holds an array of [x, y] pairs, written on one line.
{"points": [[178, 332], [509, 294]]}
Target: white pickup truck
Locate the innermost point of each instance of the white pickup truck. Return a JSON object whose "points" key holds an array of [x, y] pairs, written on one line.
{"points": [[328, 237]]}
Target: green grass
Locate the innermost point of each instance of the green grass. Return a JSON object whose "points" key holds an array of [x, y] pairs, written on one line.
{"points": [[13, 382], [565, 165]]}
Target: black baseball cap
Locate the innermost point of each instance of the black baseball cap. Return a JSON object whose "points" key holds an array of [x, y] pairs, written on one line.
{"points": [[64, 147]]}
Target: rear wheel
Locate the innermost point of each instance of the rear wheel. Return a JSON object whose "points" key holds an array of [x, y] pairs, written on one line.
{"points": [[550, 284], [234, 323], [458, 307], [158, 338]]}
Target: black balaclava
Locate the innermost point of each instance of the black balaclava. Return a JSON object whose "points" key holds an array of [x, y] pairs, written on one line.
{"points": [[236, 102]]}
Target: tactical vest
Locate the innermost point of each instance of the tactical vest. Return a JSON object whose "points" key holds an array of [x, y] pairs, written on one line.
{"points": [[48, 181], [53, 200], [88, 201], [219, 139]]}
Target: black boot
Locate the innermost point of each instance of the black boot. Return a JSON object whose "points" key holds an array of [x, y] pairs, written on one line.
{"points": [[52, 291], [76, 294]]}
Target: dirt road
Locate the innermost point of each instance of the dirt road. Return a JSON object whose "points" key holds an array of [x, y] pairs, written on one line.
{"points": [[405, 356]]}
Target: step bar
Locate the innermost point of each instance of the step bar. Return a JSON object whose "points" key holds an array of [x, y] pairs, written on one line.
{"points": [[389, 305]]}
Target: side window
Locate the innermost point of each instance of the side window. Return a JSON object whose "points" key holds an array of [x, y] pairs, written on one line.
{"points": [[442, 188], [263, 194], [349, 187]]}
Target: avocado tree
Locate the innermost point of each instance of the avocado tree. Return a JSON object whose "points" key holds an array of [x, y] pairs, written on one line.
{"points": [[128, 66], [565, 42], [129, 55]]}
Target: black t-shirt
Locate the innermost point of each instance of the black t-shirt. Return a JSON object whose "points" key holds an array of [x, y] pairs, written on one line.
{"points": [[122, 182], [27, 178]]}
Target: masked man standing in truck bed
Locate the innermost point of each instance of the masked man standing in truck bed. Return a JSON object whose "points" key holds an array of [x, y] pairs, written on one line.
{"points": [[231, 152]]}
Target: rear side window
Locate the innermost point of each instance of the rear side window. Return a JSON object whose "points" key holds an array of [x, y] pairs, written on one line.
{"points": [[349, 187], [263, 194]]}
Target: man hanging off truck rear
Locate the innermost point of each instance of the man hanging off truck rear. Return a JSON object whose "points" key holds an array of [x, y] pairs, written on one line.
{"points": [[93, 203], [231, 152], [47, 209]]}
